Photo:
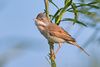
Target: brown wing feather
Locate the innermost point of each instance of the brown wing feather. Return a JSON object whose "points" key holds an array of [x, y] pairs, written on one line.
{"points": [[57, 31]]}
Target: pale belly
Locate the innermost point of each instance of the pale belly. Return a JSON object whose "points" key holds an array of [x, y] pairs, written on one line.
{"points": [[56, 39]]}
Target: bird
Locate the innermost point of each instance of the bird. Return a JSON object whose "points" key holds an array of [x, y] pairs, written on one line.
{"points": [[54, 33]]}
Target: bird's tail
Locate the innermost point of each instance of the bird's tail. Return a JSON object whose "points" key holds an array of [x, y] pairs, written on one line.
{"points": [[81, 49], [75, 44]]}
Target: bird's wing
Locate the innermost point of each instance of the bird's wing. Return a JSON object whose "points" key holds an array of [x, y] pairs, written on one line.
{"points": [[57, 31]]}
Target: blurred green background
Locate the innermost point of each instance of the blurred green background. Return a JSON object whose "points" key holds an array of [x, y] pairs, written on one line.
{"points": [[22, 45]]}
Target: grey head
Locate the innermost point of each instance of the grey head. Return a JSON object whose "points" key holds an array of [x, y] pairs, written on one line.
{"points": [[42, 17]]}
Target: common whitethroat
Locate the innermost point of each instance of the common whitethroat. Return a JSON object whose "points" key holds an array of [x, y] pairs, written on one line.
{"points": [[53, 32]]}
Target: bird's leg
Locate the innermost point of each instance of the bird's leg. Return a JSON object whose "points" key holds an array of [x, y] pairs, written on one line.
{"points": [[59, 46]]}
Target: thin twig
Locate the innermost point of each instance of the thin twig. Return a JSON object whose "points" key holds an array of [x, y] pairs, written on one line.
{"points": [[52, 55], [51, 44], [46, 8]]}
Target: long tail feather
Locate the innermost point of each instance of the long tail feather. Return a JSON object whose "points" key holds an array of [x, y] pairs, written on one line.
{"points": [[81, 49]]}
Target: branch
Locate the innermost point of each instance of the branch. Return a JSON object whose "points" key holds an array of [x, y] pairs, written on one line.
{"points": [[52, 55], [51, 44], [46, 8]]}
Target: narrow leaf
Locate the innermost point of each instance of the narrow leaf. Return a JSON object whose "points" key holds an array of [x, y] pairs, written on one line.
{"points": [[56, 14], [68, 3], [75, 11], [70, 19], [95, 2], [51, 16], [94, 6], [91, 4], [56, 19], [53, 4], [87, 13]]}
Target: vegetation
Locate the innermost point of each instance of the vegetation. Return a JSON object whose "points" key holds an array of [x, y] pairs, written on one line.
{"points": [[82, 7]]}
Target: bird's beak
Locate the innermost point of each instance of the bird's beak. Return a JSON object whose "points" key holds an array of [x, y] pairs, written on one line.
{"points": [[35, 19]]}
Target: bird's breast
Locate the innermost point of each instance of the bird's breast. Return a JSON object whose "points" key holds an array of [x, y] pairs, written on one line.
{"points": [[56, 39]]}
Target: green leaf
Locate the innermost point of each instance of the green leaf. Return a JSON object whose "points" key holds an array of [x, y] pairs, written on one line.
{"points": [[56, 19], [67, 4], [94, 6], [87, 13], [75, 11], [91, 4], [53, 4], [51, 16], [56, 14], [95, 2], [73, 20]]}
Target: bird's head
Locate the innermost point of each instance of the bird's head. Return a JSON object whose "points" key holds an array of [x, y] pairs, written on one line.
{"points": [[42, 19]]}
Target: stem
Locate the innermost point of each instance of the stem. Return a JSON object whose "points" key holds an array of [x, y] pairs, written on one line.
{"points": [[52, 55], [68, 3], [51, 44], [46, 8]]}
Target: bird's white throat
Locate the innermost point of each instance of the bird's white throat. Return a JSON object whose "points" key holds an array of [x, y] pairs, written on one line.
{"points": [[38, 22]]}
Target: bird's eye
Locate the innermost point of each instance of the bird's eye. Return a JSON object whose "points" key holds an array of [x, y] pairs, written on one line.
{"points": [[41, 18]]}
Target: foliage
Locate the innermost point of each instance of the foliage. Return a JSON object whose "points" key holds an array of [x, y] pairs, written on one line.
{"points": [[74, 8], [71, 7]]}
